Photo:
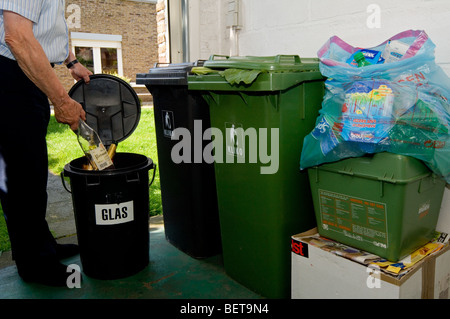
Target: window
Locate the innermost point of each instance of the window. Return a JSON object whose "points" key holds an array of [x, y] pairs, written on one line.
{"points": [[86, 57], [100, 53], [109, 60]]}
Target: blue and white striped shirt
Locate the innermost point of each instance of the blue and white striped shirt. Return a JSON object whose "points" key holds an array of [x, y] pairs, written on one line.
{"points": [[49, 26]]}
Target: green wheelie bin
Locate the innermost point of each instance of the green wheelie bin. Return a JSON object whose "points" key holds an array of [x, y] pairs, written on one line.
{"points": [[261, 109]]}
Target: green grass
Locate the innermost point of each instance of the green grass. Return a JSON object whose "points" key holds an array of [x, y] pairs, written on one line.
{"points": [[63, 148], [4, 238]]}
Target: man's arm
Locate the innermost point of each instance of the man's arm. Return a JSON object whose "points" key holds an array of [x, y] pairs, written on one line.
{"points": [[34, 63]]}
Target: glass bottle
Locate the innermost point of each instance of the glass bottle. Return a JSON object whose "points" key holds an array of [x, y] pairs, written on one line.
{"points": [[93, 147], [112, 151]]}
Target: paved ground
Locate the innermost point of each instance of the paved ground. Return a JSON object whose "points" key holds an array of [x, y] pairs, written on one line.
{"points": [[171, 274]]}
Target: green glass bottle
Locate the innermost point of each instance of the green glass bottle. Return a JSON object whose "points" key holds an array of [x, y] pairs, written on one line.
{"points": [[93, 147]]}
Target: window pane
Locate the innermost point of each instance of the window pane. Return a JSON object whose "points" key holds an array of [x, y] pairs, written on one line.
{"points": [[85, 56], [109, 60]]}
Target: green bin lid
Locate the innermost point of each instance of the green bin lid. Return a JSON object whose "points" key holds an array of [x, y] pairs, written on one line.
{"points": [[388, 167], [276, 73], [278, 63]]}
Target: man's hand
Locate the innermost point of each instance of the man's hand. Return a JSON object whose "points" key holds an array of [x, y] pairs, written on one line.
{"points": [[78, 70], [68, 111]]}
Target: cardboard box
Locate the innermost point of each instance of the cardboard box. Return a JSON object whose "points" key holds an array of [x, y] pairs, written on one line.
{"points": [[320, 272]]}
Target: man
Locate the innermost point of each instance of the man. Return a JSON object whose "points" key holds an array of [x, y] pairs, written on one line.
{"points": [[33, 37]]}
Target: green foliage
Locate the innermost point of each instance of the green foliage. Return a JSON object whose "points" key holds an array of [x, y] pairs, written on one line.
{"points": [[4, 238], [233, 76], [123, 77]]}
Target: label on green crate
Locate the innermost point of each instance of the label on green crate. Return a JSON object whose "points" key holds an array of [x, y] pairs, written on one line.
{"points": [[359, 219]]}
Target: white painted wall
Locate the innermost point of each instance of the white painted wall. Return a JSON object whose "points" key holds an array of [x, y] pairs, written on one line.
{"points": [[271, 27], [444, 217]]}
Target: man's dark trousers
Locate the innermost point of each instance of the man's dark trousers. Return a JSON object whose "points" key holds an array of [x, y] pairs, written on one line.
{"points": [[24, 117]]}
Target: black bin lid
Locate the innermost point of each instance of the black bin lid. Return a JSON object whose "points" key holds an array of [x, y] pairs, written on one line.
{"points": [[168, 74], [111, 104]]}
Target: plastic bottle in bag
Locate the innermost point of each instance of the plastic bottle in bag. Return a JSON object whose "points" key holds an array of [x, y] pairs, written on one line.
{"points": [[93, 147]]}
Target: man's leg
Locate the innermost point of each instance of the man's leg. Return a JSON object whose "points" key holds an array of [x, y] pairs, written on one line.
{"points": [[24, 117]]}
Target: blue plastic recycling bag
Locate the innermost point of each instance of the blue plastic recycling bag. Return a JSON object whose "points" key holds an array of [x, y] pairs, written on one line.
{"points": [[399, 104]]}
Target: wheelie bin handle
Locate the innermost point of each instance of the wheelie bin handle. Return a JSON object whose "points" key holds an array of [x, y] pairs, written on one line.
{"points": [[64, 182], [214, 56], [154, 173], [150, 184]]}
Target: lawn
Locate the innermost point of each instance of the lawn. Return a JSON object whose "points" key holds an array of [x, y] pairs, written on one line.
{"points": [[4, 239], [63, 148]]}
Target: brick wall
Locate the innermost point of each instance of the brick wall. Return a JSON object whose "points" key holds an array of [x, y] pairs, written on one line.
{"points": [[135, 21], [161, 20]]}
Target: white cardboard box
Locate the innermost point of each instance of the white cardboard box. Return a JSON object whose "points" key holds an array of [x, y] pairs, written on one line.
{"points": [[320, 274]]}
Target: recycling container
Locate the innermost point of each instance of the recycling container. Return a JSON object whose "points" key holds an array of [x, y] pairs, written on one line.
{"points": [[188, 185], [111, 207], [259, 127], [386, 204]]}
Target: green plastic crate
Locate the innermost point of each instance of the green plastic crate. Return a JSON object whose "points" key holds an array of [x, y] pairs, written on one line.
{"points": [[385, 204]]}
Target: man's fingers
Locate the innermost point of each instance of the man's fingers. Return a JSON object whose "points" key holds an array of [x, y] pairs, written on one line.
{"points": [[74, 126], [83, 115]]}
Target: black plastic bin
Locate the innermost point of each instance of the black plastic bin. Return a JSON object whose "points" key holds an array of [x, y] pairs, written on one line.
{"points": [[111, 207], [188, 189], [111, 215]]}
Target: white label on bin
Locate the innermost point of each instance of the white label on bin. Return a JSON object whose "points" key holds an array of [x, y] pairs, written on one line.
{"points": [[114, 214], [168, 123], [235, 139]]}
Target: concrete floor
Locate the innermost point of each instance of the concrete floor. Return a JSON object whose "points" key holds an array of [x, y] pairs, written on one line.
{"points": [[171, 274]]}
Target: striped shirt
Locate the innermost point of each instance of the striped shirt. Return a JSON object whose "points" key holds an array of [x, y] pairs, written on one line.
{"points": [[49, 26]]}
